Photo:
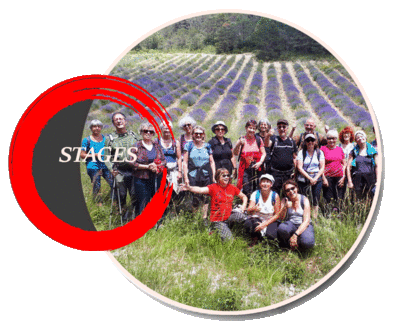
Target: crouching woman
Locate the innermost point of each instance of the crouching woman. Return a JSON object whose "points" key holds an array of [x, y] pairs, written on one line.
{"points": [[297, 230], [264, 210], [222, 195]]}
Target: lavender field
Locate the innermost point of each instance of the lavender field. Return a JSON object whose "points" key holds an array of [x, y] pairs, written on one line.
{"points": [[235, 88], [181, 261]]}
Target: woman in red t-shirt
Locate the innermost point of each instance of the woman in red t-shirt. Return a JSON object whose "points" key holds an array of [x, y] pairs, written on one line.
{"points": [[334, 183], [222, 195]]}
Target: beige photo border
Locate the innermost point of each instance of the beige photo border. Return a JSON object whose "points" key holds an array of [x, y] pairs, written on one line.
{"points": [[336, 272]]}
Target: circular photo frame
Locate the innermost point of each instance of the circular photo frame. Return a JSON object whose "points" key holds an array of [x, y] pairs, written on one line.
{"points": [[223, 70]]}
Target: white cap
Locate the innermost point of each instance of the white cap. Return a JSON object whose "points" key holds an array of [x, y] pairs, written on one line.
{"points": [[268, 177]]}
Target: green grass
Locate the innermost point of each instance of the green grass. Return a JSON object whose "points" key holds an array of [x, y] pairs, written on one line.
{"points": [[183, 262]]}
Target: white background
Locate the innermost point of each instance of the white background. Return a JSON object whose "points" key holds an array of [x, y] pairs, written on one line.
{"points": [[44, 42]]}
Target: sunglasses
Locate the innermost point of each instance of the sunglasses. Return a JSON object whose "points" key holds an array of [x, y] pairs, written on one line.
{"points": [[310, 140], [331, 138], [198, 133], [219, 129], [289, 189], [225, 176], [148, 131], [186, 125]]}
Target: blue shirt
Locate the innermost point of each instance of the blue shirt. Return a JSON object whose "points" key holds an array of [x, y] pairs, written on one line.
{"points": [[199, 156], [94, 165]]}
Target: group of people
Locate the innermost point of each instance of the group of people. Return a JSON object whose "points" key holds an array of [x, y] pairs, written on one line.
{"points": [[265, 166]]}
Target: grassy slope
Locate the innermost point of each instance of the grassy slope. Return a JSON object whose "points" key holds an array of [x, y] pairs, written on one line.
{"points": [[183, 262]]}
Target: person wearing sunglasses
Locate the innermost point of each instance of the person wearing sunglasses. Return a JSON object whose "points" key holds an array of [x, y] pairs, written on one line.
{"points": [[334, 182], [148, 167], [171, 150], [310, 164], [199, 166], [222, 195], [222, 149], [283, 155], [296, 231], [117, 145], [251, 155]]}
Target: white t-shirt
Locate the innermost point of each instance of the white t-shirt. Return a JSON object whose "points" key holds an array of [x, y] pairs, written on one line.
{"points": [[311, 165], [347, 149], [265, 207]]}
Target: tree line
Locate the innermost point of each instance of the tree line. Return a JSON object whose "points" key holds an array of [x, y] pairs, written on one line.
{"points": [[229, 33]]}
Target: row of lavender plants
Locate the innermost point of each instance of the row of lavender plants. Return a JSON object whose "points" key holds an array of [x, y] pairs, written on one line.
{"points": [[192, 97], [200, 109], [358, 115], [225, 110], [345, 85], [158, 84], [319, 105], [129, 67], [293, 96], [255, 86], [291, 91], [272, 99]]}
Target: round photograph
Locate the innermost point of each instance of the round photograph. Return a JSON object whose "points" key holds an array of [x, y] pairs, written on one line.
{"points": [[271, 152]]}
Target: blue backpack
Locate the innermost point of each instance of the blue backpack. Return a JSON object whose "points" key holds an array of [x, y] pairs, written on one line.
{"points": [[257, 197]]}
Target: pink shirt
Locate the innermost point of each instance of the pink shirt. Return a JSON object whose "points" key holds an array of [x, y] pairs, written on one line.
{"points": [[333, 167], [250, 146]]}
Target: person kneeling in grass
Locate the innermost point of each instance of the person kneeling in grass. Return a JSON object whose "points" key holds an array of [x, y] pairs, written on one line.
{"points": [[264, 207], [222, 195], [297, 230]]}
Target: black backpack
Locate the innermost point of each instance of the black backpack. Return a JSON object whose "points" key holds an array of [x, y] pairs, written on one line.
{"points": [[275, 140]]}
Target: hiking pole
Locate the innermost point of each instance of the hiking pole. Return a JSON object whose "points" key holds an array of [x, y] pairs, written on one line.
{"points": [[112, 199], [119, 202]]}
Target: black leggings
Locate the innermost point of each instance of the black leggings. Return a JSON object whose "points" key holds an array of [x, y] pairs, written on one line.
{"points": [[252, 222]]}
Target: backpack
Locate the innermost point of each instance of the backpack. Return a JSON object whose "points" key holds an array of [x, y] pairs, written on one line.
{"points": [[158, 141], [275, 142], [304, 154], [112, 138], [258, 142], [191, 146], [257, 197]]}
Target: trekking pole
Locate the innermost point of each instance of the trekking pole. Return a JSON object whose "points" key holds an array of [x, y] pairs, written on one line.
{"points": [[112, 200], [119, 202]]}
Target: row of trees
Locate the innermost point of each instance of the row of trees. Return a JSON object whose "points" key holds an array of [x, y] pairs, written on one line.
{"points": [[234, 33]]}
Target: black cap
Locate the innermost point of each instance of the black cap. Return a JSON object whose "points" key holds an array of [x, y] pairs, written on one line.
{"points": [[282, 121]]}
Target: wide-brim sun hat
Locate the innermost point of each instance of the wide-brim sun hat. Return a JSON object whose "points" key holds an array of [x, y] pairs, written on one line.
{"points": [[219, 123], [268, 177]]}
